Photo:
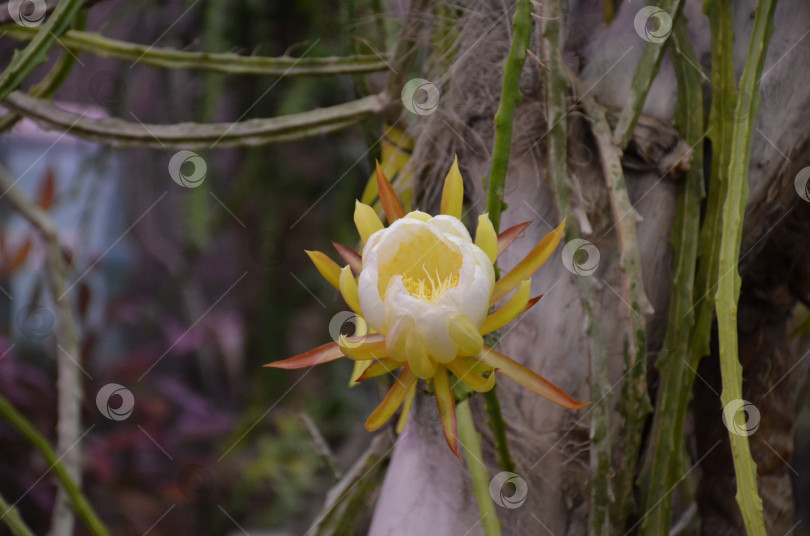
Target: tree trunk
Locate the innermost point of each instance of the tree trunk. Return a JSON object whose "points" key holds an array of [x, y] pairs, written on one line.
{"points": [[427, 489]]}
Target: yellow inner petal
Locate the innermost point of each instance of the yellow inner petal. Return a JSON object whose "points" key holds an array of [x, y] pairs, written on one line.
{"points": [[429, 267]]}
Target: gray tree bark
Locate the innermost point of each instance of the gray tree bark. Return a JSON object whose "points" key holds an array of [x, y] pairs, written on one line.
{"points": [[427, 489]]}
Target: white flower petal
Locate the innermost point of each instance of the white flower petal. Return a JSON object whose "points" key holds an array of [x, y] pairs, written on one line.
{"points": [[450, 226], [425, 257], [371, 304]]}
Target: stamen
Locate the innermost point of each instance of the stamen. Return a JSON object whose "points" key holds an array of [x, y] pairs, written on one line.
{"points": [[429, 289]]}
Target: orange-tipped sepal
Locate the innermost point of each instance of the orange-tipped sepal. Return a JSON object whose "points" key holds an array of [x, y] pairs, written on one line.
{"points": [[388, 198], [363, 348], [525, 268], [316, 356], [528, 378], [447, 408], [506, 238], [349, 256]]}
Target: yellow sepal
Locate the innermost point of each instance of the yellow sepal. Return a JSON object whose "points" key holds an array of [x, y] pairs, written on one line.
{"points": [[348, 289], [366, 220], [453, 192], [328, 268], [486, 238], [359, 368], [392, 400], [406, 410], [510, 309], [467, 375], [363, 348]]}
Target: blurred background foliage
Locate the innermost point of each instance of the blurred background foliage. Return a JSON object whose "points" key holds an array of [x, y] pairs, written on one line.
{"points": [[206, 285]]}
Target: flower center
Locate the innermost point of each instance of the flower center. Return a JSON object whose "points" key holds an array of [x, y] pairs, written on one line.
{"points": [[428, 265], [429, 289]]}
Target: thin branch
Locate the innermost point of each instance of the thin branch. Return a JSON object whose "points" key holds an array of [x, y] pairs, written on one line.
{"points": [[69, 384], [35, 52], [510, 96], [120, 133], [643, 77], [50, 5], [51, 82], [498, 426], [11, 517], [80, 504], [502, 148], [556, 90], [675, 362], [720, 126], [634, 401], [347, 501], [728, 283], [284, 66]]}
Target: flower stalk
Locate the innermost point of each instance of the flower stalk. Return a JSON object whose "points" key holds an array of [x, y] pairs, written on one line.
{"points": [[471, 442]]}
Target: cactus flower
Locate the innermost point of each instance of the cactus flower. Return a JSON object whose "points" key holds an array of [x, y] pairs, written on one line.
{"points": [[425, 288]]}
